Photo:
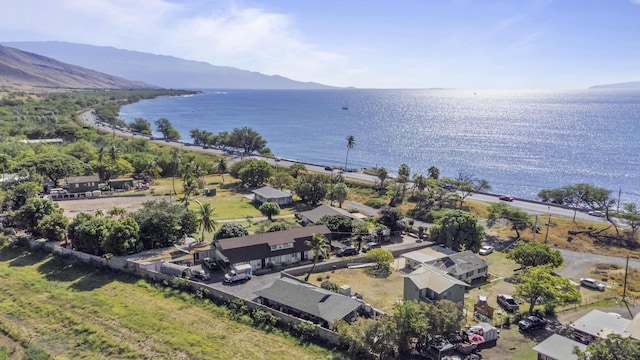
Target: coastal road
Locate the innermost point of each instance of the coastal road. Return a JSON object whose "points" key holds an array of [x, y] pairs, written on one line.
{"points": [[89, 117]]}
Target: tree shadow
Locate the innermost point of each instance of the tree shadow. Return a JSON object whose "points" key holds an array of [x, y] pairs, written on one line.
{"points": [[28, 258], [61, 270], [11, 252]]}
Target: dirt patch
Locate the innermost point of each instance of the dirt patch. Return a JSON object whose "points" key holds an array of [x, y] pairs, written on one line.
{"points": [[129, 203]]}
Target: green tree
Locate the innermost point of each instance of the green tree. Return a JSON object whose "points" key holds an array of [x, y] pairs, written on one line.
{"points": [[247, 139], [383, 259], [163, 224], [382, 174], [163, 126], [390, 217], [613, 347], [381, 337], [32, 212], [540, 283], [141, 126], [351, 142], [20, 193], [123, 238], [445, 318], [531, 253], [311, 188], [231, 230], [221, 167], [631, 217], [340, 192], [518, 219], [296, 169], [54, 166], [319, 246], [403, 177], [205, 218], [456, 229], [175, 162], [282, 180], [433, 172], [340, 225], [255, 173], [88, 233], [411, 323], [269, 209], [53, 227]]}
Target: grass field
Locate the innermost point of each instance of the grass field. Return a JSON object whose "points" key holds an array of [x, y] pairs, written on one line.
{"points": [[71, 311]]}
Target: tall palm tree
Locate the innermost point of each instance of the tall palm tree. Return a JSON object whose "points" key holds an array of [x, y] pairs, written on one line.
{"points": [[175, 161], [221, 166], [351, 142], [205, 218], [320, 246]]}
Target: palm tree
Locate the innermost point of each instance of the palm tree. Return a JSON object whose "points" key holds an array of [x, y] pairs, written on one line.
{"points": [[320, 246], [175, 160], [221, 166], [205, 218], [351, 142], [382, 175]]}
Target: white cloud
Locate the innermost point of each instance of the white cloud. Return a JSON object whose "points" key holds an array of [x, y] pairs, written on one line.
{"points": [[221, 34]]}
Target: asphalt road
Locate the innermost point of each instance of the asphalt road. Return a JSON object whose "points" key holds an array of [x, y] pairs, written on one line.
{"points": [[578, 263]]}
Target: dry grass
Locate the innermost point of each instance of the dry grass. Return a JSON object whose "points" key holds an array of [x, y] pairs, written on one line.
{"points": [[381, 293], [613, 275]]}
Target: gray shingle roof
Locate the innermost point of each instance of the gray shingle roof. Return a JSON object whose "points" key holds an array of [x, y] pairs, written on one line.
{"points": [[270, 193], [427, 277], [316, 214], [310, 299], [559, 347], [459, 263], [600, 324]]}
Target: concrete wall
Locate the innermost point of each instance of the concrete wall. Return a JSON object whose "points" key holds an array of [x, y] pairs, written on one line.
{"points": [[149, 274]]}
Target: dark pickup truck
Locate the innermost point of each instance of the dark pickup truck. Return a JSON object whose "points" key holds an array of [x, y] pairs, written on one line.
{"points": [[532, 323]]}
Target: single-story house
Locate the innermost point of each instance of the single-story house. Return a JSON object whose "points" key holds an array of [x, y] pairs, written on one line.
{"points": [[309, 302], [314, 216], [269, 194], [78, 184], [463, 265], [558, 347], [429, 284], [599, 324], [121, 184], [264, 250], [416, 259]]}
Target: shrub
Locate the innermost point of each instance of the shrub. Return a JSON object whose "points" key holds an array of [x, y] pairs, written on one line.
{"points": [[376, 203], [304, 331], [329, 285]]}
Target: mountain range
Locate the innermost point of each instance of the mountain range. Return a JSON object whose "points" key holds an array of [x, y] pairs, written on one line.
{"points": [[624, 85], [25, 71], [160, 70]]}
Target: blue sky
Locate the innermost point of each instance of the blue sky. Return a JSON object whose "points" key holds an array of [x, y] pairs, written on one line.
{"points": [[546, 44]]}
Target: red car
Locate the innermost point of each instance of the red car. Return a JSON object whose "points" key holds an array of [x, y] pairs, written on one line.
{"points": [[506, 198]]}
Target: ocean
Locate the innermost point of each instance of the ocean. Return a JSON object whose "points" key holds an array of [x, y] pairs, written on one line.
{"points": [[521, 141]]}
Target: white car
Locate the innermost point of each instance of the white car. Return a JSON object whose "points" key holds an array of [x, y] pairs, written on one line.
{"points": [[592, 283], [486, 250], [596, 213]]}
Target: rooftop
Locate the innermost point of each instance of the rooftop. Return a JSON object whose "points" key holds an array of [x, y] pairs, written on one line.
{"points": [[559, 347], [270, 193], [434, 279], [460, 263], [600, 324], [316, 214]]}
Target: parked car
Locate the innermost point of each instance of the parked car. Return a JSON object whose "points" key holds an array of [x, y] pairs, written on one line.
{"points": [[209, 263], [508, 302], [200, 275], [506, 198], [328, 168], [347, 251], [596, 213], [532, 323], [592, 283], [371, 245], [486, 250]]}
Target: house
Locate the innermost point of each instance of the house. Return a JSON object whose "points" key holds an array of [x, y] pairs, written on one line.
{"points": [[78, 184], [463, 265], [314, 216], [121, 184], [634, 327], [598, 325], [265, 250], [309, 302], [557, 347], [269, 194], [430, 284]]}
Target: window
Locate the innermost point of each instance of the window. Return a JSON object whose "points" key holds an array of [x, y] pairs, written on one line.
{"points": [[281, 246]]}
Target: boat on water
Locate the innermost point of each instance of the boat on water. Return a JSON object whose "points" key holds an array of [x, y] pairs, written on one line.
{"points": [[345, 108]]}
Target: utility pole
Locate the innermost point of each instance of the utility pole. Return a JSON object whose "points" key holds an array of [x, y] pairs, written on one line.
{"points": [[546, 236], [619, 194], [535, 228], [626, 271]]}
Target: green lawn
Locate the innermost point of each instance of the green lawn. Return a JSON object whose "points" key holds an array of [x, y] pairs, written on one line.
{"points": [[71, 311]]}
